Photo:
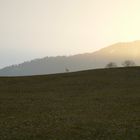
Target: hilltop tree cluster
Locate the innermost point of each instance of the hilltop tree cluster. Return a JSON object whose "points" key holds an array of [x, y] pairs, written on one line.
{"points": [[126, 63]]}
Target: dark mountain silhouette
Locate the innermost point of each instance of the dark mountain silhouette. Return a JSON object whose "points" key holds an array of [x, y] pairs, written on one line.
{"points": [[115, 53]]}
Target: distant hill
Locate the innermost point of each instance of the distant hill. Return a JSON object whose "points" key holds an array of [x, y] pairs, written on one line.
{"points": [[48, 65], [89, 105]]}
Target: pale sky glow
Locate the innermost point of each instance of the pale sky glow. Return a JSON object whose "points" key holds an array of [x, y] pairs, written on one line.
{"points": [[36, 28]]}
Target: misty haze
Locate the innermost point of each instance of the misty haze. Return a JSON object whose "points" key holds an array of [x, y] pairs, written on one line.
{"points": [[117, 53], [69, 70]]}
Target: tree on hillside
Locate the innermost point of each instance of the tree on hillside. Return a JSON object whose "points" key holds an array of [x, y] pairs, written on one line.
{"points": [[128, 63], [67, 70], [111, 65]]}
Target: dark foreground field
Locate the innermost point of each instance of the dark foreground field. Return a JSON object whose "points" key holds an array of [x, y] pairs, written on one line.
{"points": [[90, 105]]}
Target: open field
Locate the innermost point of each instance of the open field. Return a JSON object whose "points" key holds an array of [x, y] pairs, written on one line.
{"points": [[89, 105]]}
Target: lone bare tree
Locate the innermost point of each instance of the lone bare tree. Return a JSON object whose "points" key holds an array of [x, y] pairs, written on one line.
{"points": [[111, 65], [128, 63], [67, 70]]}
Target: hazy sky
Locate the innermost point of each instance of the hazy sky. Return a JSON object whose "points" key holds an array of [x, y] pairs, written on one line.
{"points": [[38, 28]]}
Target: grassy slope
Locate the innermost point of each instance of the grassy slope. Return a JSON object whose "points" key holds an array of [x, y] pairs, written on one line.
{"points": [[90, 105]]}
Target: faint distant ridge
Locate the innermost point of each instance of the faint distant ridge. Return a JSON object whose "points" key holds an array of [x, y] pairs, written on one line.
{"points": [[116, 53]]}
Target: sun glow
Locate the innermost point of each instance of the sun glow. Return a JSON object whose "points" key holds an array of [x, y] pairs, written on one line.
{"points": [[52, 27]]}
